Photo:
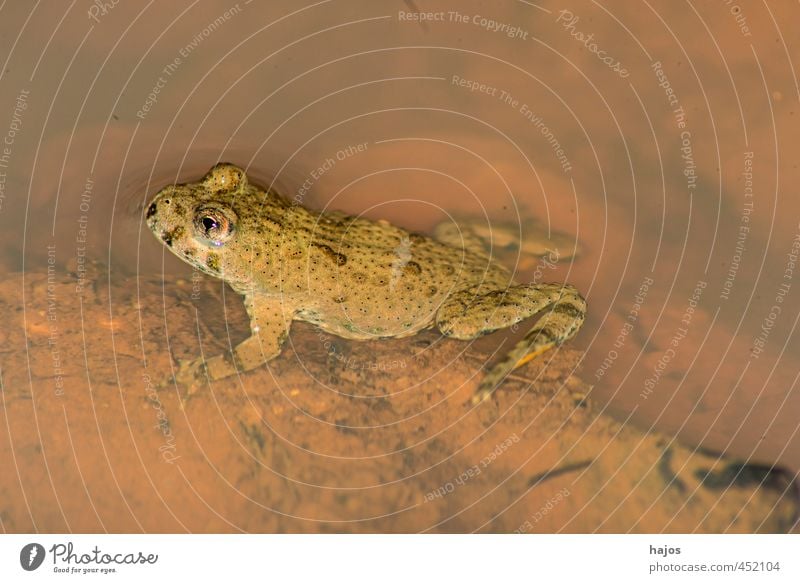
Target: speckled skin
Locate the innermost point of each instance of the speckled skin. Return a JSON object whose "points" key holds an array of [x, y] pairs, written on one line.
{"points": [[352, 277]]}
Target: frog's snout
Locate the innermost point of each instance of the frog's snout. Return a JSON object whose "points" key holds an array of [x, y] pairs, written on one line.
{"points": [[151, 212], [153, 216]]}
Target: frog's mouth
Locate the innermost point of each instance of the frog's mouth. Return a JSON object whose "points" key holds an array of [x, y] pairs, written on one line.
{"points": [[173, 236]]}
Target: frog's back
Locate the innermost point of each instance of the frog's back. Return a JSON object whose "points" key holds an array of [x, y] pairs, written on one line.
{"points": [[365, 278]]}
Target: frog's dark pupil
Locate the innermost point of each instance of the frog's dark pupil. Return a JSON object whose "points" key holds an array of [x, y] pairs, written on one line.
{"points": [[210, 224], [213, 225]]}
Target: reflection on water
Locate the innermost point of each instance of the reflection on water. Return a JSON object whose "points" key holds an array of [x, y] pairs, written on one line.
{"points": [[657, 138]]}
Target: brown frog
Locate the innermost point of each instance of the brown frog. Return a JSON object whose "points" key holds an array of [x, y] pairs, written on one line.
{"points": [[352, 277]]}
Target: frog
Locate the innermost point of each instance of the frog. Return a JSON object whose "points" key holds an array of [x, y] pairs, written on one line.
{"points": [[353, 277]]}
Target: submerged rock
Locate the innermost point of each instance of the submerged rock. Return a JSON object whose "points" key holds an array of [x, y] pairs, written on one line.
{"points": [[331, 436]]}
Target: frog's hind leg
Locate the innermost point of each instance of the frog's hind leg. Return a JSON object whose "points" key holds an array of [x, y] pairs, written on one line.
{"points": [[466, 316]]}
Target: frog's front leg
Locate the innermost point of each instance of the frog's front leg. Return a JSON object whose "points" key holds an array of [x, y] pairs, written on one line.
{"points": [[468, 314], [270, 319]]}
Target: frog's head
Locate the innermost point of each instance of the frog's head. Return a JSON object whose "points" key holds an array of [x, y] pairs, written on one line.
{"points": [[197, 221]]}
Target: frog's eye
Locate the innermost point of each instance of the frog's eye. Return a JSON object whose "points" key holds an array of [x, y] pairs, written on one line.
{"points": [[214, 224]]}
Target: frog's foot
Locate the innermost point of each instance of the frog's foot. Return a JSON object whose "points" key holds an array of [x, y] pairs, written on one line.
{"points": [[466, 316], [190, 373], [189, 377], [195, 374], [186, 378]]}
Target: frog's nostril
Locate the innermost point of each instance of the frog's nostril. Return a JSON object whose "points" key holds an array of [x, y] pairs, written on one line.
{"points": [[151, 210]]}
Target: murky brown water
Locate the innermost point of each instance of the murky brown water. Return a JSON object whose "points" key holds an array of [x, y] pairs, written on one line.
{"points": [[665, 144]]}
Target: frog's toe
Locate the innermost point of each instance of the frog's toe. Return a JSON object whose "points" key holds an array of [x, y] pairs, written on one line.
{"points": [[483, 393], [187, 377]]}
